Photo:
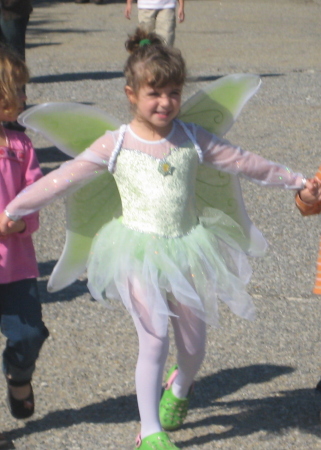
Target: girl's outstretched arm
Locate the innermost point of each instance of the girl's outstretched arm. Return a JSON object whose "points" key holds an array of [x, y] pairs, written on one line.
{"points": [[224, 156], [68, 178]]}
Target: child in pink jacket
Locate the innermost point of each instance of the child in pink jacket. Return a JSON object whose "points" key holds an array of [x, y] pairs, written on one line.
{"points": [[20, 309]]}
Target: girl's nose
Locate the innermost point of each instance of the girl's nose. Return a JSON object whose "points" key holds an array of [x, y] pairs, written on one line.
{"points": [[165, 100]]}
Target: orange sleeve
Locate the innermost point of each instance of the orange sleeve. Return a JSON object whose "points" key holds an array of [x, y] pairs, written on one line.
{"points": [[317, 283], [318, 174], [305, 208]]}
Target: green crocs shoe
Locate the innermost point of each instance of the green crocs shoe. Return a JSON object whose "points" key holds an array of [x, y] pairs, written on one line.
{"points": [[156, 441], [173, 410]]}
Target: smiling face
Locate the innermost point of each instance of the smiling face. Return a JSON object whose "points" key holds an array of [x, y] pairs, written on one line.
{"points": [[155, 107]]}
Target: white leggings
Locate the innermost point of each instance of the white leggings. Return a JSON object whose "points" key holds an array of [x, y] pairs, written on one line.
{"points": [[190, 335]]}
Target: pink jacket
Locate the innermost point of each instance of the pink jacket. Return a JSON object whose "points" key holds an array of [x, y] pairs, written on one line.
{"points": [[19, 167]]}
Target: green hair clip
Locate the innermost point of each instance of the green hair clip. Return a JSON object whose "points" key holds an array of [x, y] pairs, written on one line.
{"points": [[144, 42]]}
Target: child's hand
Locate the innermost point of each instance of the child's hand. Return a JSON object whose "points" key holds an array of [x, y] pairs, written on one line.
{"points": [[128, 11], [312, 192], [8, 226]]}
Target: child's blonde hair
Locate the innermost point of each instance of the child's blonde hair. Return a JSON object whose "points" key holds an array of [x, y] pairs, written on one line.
{"points": [[152, 62], [13, 75]]}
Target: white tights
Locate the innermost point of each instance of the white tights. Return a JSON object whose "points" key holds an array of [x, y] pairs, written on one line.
{"points": [[190, 334]]}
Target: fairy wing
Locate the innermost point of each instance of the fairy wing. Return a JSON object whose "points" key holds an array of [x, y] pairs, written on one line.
{"points": [[72, 127], [216, 108]]}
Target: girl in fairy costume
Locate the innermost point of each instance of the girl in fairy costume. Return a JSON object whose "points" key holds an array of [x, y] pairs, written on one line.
{"points": [[161, 258]]}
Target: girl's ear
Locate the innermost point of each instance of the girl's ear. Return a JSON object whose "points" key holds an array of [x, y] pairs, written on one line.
{"points": [[130, 94]]}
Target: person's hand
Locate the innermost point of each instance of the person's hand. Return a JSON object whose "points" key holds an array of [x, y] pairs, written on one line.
{"points": [[128, 11], [8, 226], [181, 14], [4, 221], [312, 192]]}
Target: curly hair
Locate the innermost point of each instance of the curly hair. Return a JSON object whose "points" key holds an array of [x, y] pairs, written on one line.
{"points": [[152, 62], [13, 74]]}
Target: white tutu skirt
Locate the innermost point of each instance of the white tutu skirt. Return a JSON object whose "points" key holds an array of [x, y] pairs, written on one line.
{"points": [[140, 269]]}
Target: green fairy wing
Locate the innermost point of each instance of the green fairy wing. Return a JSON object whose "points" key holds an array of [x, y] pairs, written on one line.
{"points": [[72, 127], [216, 108]]}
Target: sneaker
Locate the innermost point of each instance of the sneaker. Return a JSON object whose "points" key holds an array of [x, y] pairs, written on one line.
{"points": [[156, 441], [173, 410]]}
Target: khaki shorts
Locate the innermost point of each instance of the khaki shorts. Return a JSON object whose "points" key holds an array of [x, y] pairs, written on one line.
{"points": [[160, 21]]}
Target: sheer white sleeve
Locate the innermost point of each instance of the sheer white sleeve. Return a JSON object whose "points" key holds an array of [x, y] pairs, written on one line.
{"points": [[68, 178], [224, 156]]}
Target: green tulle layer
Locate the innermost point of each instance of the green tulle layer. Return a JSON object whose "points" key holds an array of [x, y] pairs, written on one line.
{"points": [[199, 268]]}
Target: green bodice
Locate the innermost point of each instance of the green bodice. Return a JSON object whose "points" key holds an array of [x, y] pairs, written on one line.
{"points": [[158, 196]]}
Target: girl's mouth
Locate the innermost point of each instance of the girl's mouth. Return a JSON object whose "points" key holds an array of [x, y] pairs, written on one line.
{"points": [[163, 114]]}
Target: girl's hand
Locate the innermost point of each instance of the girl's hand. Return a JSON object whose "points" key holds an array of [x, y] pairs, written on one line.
{"points": [[8, 226], [312, 192]]}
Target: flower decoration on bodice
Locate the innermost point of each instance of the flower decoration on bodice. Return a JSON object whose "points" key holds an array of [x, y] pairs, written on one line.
{"points": [[165, 168]]}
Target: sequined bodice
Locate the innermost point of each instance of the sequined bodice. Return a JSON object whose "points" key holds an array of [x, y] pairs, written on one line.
{"points": [[158, 196]]}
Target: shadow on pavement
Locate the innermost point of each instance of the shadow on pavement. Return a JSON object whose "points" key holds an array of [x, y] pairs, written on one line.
{"points": [[105, 75], [51, 2], [77, 76], [50, 155], [210, 78], [274, 414], [76, 289], [297, 409]]}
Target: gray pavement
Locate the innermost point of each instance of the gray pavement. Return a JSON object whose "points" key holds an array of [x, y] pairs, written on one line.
{"points": [[256, 387]]}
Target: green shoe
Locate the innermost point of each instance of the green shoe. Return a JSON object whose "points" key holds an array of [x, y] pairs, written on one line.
{"points": [[173, 410], [156, 441]]}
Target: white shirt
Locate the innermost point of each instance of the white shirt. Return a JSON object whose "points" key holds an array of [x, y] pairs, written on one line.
{"points": [[156, 4]]}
